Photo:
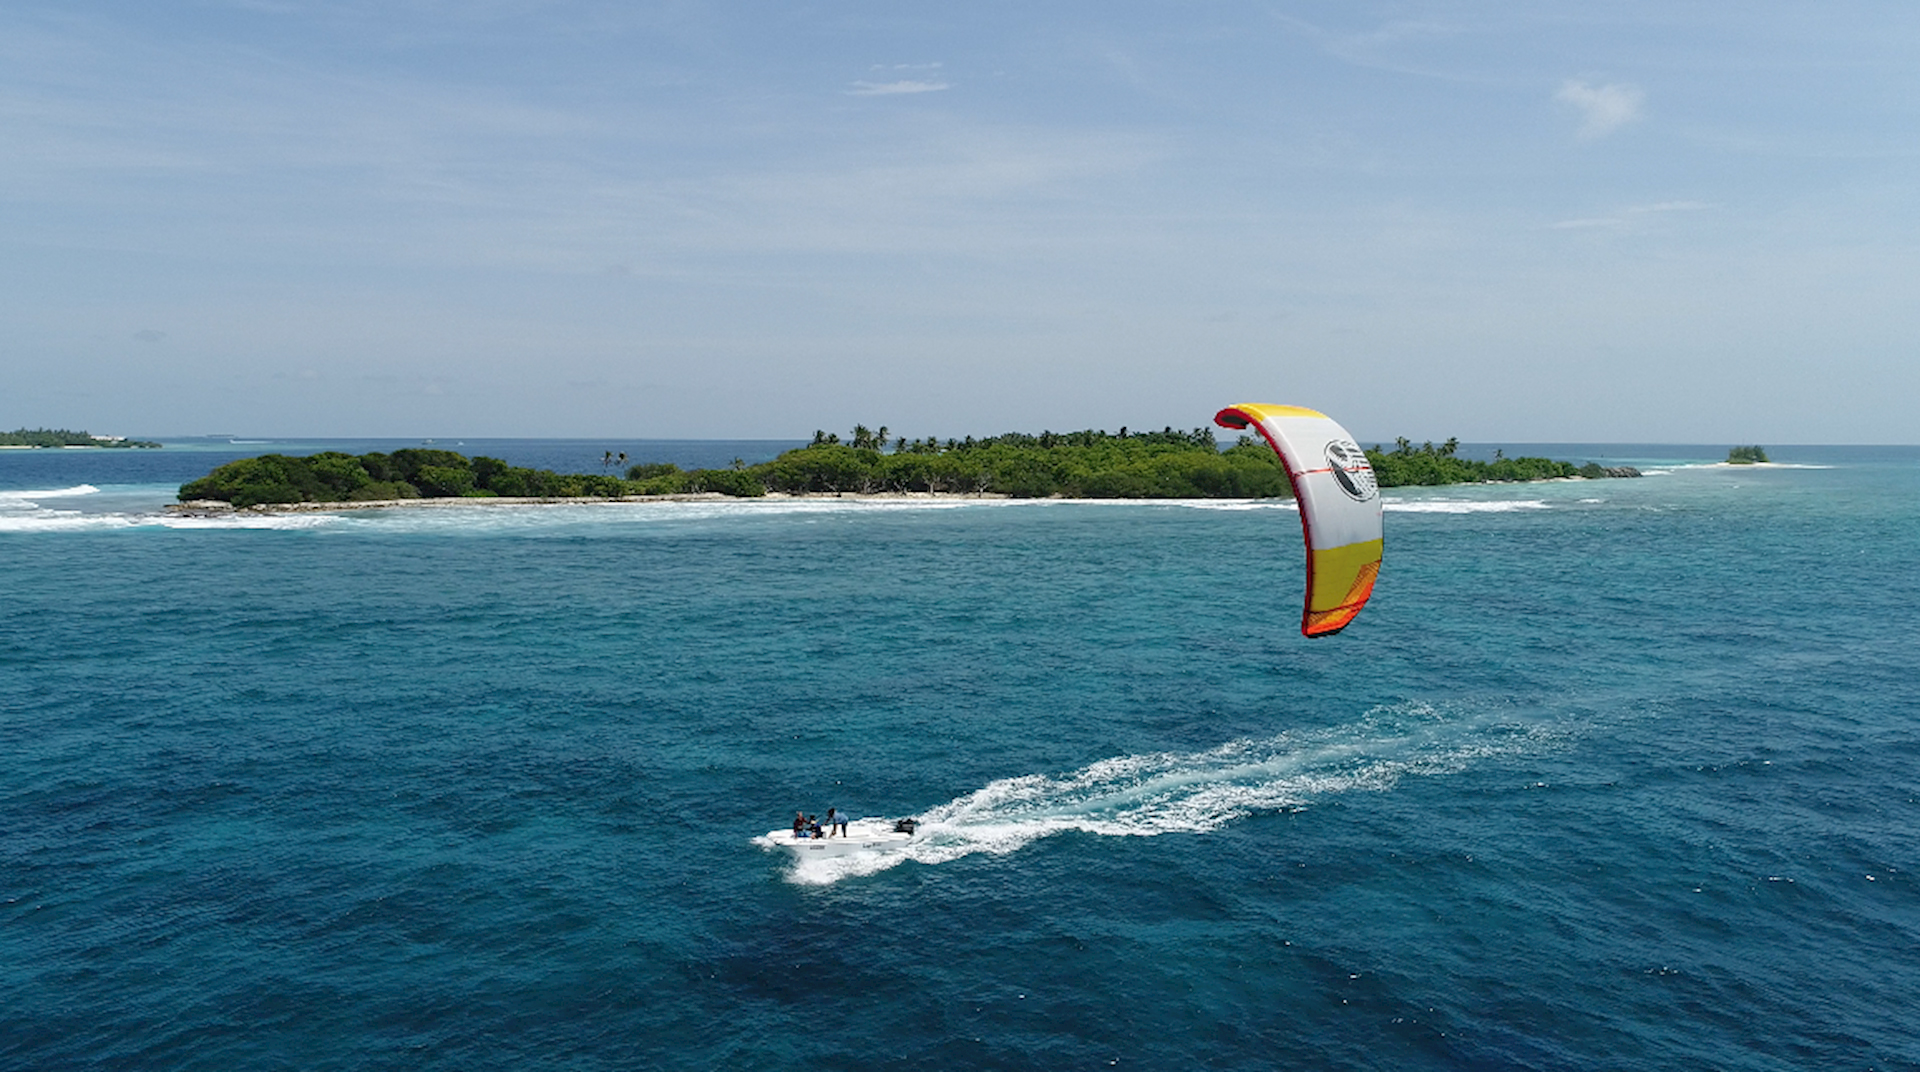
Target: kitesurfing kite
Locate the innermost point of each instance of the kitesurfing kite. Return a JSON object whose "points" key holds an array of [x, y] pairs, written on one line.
{"points": [[1339, 508]]}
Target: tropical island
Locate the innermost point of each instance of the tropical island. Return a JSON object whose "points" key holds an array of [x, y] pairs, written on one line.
{"points": [[1747, 456], [1168, 464], [61, 437]]}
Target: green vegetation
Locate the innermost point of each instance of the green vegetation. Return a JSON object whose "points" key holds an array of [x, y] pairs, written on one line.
{"points": [[1427, 465], [1167, 464], [1075, 465], [1746, 455], [404, 474], [61, 437]]}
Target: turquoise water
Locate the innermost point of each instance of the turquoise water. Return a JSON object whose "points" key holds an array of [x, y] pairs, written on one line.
{"points": [[1610, 774]]}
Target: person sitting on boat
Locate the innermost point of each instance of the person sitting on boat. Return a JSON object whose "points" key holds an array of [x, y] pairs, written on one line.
{"points": [[813, 826], [836, 821], [799, 825]]}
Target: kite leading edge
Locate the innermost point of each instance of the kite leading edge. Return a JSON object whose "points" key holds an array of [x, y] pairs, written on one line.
{"points": [[1339, 503]]}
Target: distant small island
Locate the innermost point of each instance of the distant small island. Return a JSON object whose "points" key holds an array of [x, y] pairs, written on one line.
{"points": [[1168, 464], [61, 437], [1746, 456]]}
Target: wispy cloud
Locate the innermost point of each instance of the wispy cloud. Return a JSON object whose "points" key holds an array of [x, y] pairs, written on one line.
{"points": [[1605, 108], [887, 89], [1402, 46], [1673, 206], [1627, 215]]}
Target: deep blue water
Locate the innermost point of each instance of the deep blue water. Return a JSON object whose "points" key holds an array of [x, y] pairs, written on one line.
{"points": [[1612, 774]]}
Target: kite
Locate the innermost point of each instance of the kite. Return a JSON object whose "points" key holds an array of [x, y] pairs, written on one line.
{"points": [[1339, 501]]}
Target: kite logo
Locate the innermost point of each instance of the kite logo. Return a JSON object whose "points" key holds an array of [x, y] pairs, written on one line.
{"points": [[1348, 463]]}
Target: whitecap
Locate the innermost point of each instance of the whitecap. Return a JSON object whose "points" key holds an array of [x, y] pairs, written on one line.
{"points": [[493, 517], [1237, 505], [289, 522], [51, 521], [74, 521], [1464, 506], [51, 493]]}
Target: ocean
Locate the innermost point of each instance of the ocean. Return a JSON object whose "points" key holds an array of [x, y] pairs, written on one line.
{"points": [[1613, 774]]}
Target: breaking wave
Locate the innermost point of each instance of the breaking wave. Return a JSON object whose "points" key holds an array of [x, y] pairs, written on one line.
{"points": [[1464, 506], [13, 497], [1392, 505], [74, 521], [1231, 505]]}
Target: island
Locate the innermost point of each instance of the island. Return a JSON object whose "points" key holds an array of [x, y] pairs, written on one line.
{"points": [[60, 437], [1168, 464], [1747, 456]]}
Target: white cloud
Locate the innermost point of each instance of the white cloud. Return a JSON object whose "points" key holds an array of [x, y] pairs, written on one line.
{"points": [[886, 89], [1606, 108], [1626, 215], [1672, 206]]}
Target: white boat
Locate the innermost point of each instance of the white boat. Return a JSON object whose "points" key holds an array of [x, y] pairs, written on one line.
{"points": [[863, 835]]}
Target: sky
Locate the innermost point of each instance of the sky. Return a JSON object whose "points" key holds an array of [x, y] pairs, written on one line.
{"points": [[1639, 221]]}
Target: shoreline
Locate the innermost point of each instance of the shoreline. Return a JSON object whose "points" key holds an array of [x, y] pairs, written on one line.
{"points": [[218, 508]]}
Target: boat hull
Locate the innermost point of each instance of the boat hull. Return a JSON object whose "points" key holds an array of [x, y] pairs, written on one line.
{"points": [[865, 835]]}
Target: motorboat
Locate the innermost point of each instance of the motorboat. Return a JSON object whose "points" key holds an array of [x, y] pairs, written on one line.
{"points": [[863, 835]]}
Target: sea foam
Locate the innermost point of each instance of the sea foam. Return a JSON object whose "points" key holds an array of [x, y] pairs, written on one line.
{"points": [[43, 520], [10, 497], [1464, 506], [1196, 792]]}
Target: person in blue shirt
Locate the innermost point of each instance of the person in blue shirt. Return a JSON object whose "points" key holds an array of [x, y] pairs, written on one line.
{"points": [[836, 820]]}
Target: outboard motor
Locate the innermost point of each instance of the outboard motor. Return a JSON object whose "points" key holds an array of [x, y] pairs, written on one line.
{"points": [[904, 826]]}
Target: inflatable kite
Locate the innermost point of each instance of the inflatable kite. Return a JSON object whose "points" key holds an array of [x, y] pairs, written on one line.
{"points": [[1339, 508]]}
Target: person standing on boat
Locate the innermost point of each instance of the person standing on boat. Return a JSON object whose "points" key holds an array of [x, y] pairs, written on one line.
{"points": [[836, 820]]}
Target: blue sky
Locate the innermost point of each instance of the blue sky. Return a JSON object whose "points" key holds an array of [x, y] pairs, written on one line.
{"points": [[1636, 221]]}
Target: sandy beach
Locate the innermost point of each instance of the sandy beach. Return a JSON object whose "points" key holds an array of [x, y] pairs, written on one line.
{"points": [[217, 508]]}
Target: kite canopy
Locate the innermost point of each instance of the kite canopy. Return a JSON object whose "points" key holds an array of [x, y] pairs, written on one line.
{"points": [[1339, 508]]}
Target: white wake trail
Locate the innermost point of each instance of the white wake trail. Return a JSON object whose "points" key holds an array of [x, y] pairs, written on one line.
{"points": [[1193, 793]]}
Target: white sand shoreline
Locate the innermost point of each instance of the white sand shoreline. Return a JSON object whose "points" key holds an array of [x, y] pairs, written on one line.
{"points": [[216, 508]]}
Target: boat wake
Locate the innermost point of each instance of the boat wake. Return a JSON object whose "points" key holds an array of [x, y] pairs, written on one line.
{"points": [[1196, 792]]}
